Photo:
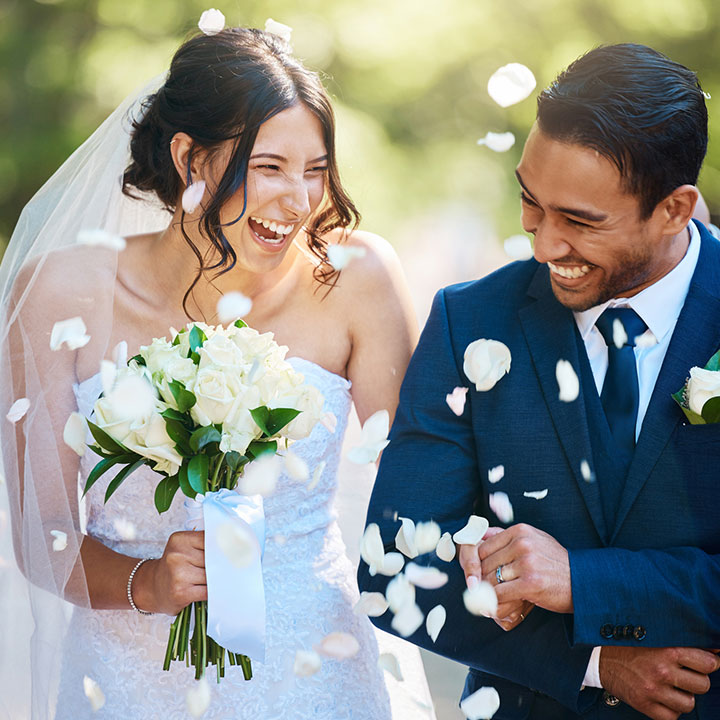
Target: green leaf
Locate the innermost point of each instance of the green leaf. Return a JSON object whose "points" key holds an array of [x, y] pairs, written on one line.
{"points": [[180, 435], [260, 447], [105, 441], [198, 469], [260, 415], [184, 482], [204, 436], [714, 363], [197, 338], [103, 466], [234, 460], [165, 492], [279, 418], [117, 480], [172, 414], [711, 410], [139, 359], [240, 323], [184, 399]]}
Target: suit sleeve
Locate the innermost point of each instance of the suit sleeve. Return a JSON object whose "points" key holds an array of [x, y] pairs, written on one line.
{"points": [[430, 472]]}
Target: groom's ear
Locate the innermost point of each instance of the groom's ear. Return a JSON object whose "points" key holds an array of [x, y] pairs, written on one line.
{"points": [[676, 210]]}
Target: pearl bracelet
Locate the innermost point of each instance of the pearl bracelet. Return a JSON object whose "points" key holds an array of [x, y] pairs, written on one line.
{"points": [[129, 588]]}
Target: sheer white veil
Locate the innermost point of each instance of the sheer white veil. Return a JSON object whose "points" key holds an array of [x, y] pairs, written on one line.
{"points": [[45, 277]]}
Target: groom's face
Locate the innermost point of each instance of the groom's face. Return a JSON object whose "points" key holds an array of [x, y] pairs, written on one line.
{"points": [[587, 228]]}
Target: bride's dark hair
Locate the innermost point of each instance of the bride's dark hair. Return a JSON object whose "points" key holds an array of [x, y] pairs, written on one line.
{"points": [[224, 87]]}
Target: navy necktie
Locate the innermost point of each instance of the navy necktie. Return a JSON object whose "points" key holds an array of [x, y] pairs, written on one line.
{"points": [[620, 392]]}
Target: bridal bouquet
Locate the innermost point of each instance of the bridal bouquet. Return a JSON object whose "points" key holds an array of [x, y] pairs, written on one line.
{"points": [[198, 410]]}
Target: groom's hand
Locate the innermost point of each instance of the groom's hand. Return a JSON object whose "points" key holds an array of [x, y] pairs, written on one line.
{"points": [[534, 567], [658, 682]]}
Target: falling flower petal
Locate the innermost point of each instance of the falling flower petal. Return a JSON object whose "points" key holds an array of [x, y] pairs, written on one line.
{"points": [[233, 305], [373, 439], [280, 540], [485, 362], [101, 238], [445, 549], [125, 529], [428, 578], [434, 621], [132, 397], [511, 84], [587, 474], [197, 698], [237, 543], [405, 538], [372, 550], [500, 504], [567, 381], [399, 593], [71, 332], [392, 564], [427, 536], [2, 479], [518, 247], [307, 662], [536, 494], [18, 409], [408, 620], [329, 420], [60, 541], [277, 28], [339, 256], [260, 476], [317, 474], [387, 661], [372, 604], [473, 532], [75, 432], [456, 400], [211, 22], [498, 142], [480, 599], [620, 337], [108, 373], [192, 196], [496, 474], [339, 645], [119, 354], [93, 693], [646, 340], [482, 704], [296, 468]]}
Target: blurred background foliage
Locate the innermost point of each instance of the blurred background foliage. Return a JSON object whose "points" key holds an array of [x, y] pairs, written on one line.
{"points": [[408, 77]]}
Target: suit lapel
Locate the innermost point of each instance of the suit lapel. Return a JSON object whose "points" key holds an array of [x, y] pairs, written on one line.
{"points": [[695, 339], [549, 330]]}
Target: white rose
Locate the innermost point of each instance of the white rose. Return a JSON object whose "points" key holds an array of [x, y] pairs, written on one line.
{"points": [[216, 393], [238, 435], [253, 344], [310, 402], [486, 361], [703, 385], [150, 439], [222, 353], [118, 426], [158, 354]]}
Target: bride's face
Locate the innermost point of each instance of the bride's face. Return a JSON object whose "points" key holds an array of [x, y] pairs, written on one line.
{"points": [[285, 185]]}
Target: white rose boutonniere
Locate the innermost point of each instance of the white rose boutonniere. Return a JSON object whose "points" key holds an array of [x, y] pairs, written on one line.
{"points": [[699, 398], [485, 362]]}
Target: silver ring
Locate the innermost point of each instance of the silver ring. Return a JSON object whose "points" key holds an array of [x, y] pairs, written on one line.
{"points": [[522, 616], [498, 575]]}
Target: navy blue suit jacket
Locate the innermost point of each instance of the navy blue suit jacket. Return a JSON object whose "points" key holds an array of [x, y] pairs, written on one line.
{"points": [[653, 568]]}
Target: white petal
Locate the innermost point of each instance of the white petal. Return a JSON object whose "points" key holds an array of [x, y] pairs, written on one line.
{"points": [[75, 432], [498, 142], [646, 340], [119, 354], [372, 604], [211, 22], [387, 661], [391, 564], [93, 693], [518, 247], [399, 593], [329, 420], [18, 409], [620, 337], [103, 238], [339, 645], [296, 468], [537, 494], [485, 362], [108, 373], [456, 400], [371, 546], [70, 332], [587, 474], [232, 306], [339, 256], [197, 698], [317, 474], [260, 476], [428, 578], [373, 439], [237, 543], [2, 479], [408, 620], [445, 549], [366, 454], [434, 621], [125, 529], [473, 532], [482, 704], [496, 474], [567, 381], [405, 538], [132, 397], [192, 195], [481, 599], [60, 541], [307, 662], [510, 84], [427, 536], [277, 28], [502, 507]]}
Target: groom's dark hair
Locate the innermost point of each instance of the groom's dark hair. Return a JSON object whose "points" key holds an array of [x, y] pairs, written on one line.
{"points": [[637, 108]]}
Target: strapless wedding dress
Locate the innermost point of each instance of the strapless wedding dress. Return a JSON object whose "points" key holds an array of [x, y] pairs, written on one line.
{"points": [[310, 591]]}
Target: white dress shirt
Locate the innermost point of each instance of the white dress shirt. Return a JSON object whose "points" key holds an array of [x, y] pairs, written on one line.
{"points": [[659, 306]]}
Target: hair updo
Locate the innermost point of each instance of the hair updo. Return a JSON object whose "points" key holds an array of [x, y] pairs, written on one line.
{"points": [[224, 87]]}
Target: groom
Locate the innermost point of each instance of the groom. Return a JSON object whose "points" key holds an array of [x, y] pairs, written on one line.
{"points": [[608, 577]]}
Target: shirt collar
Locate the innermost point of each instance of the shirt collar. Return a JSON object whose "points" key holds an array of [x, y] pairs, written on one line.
{"points": [[658, 305]]}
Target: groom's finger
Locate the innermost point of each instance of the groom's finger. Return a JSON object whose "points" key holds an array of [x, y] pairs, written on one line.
{"points": [[469, 561]]}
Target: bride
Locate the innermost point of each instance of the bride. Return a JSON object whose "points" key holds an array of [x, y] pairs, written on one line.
{"points": [[239, 114]]}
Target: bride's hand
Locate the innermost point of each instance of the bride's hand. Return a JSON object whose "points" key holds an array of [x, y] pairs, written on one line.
{"points": [[176, 579]]}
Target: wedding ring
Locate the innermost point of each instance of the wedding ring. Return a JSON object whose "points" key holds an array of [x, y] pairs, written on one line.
{"points": [[498, 574], [522, 616]]}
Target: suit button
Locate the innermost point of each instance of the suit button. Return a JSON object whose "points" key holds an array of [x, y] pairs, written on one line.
{"points": [[610, 700], [606, 631], [639, 633], [618, 632], [628, 631]]}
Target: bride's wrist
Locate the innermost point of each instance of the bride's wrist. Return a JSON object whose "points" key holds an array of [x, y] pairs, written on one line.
{"points": [[140, 587]]}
